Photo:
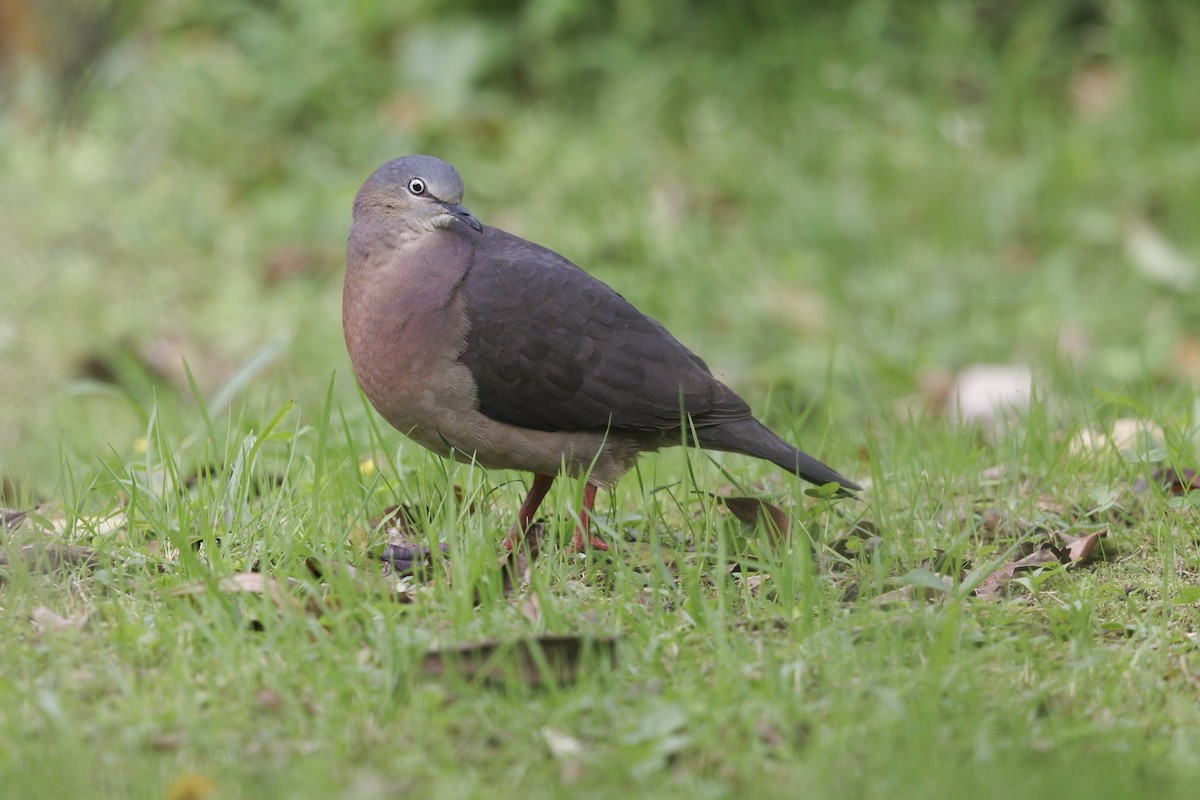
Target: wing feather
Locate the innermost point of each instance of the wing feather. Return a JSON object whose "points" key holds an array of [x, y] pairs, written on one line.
{"points": [[551, 348]]}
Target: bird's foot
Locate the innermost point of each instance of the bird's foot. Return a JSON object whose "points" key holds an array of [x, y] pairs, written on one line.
{"points": [[577, 544]]}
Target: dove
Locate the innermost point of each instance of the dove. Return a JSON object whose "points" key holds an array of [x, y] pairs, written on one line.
{"points": [[487, 348]]}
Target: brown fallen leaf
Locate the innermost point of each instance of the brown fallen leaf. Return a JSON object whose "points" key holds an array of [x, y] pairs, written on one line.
{"points": [[191, 786], [287, 262], [167, 741], [267, 699], [1185, 357], [1045, 553], [1097, 89], [1080, 549], [996, 472], [568, 751], [46, 620], [1157, 259], [988, 394], [769, 734], [562, 745], [752, 510], [516, 565], [160, 360], [1126, 433], [994, 585], [906, 595], [531, 607], [754, 582], [550, 659], [255, 583]]}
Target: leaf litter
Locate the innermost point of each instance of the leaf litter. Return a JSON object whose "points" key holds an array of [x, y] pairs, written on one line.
{"points": [[562, 658]]}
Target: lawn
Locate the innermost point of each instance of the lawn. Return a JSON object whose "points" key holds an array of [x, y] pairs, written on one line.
{"points": [[844, 209]]}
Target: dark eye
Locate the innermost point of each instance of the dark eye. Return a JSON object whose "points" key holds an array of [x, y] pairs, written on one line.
{"points": [[416, 186]]}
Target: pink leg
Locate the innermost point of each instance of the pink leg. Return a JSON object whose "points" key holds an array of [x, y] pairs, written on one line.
{"points": [[533, 500], [584, 526]]}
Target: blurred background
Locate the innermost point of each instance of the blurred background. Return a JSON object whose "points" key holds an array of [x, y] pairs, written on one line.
{"points": [[838, 204]]}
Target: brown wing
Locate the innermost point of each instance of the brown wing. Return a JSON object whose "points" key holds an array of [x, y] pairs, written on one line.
{"points": [[553, 349]]}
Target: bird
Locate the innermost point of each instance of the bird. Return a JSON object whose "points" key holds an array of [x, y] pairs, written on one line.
{"points": [[490, 349]]}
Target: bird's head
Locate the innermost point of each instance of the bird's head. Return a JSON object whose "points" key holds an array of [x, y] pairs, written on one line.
{"points": [[414, 193]]}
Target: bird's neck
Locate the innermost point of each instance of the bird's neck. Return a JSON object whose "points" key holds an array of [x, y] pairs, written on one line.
{"points": [[390, 290], [403, 317]]}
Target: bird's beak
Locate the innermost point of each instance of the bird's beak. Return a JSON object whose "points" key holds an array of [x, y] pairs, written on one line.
{"points": [[461, 212]]}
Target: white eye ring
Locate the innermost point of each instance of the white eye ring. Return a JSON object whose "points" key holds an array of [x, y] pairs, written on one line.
{"points": [[416, 186]]}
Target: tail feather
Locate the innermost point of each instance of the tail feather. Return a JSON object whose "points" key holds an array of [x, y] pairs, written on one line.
{"points": [[750, 437]]}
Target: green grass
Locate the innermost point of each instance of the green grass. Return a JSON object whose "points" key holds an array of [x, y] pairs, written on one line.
{"points": [[1085, 686], [834, 207]]}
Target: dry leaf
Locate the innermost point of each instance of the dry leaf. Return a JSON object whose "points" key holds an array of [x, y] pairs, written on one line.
{"points": [[987, 393], [191, 786], [46, 620], [801, 310], [902, 596], [997, 472], [1075, 551], [287, 262], [769, 734], [1127, 433], [568, 751], [1080, 549], [1185, 357], [516, 564], [1157, 260], [1045, 553], [1097, 89], [168, 357], [546, 659], [751, 510], [754, 582], [994, 585], [255, 583], [935, 388], [531, 608], [561, 745], [268, 699], [167, 742]]}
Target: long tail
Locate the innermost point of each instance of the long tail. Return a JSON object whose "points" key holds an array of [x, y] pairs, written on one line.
{"points": [[750, 437]]}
